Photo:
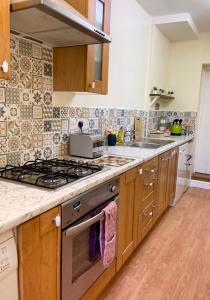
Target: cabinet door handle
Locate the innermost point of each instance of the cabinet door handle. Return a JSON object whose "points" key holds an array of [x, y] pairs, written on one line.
{"points": [[57, 221], [5, 66], [148, 214], [93, 85]]}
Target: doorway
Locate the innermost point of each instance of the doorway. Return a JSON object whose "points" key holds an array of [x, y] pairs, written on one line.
{"points": [[202, 159]]}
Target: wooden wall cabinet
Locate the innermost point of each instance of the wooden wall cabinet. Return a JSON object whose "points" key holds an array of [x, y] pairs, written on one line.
{"points": [[4, 38], [85, 68], [39, 258], [126, 222]]}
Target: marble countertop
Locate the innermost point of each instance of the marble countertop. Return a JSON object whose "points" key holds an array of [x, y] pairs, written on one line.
{"points": [[21, 202]]}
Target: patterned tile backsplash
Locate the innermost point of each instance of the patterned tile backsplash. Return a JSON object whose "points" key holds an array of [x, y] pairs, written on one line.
{"points": [[188, 117], [31, 127]]}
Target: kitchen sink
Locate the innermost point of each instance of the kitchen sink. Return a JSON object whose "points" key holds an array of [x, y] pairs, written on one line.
{"points": [[147, 143]]}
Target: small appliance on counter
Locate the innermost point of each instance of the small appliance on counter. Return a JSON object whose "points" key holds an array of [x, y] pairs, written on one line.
{"points": [[176, 128], [86, 145]]}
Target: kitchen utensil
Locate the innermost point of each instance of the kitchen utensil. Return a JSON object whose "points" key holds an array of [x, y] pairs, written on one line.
{"points": [[138, 128]]}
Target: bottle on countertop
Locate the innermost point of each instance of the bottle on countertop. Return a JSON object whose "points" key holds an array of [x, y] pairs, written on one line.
{"points": [[164, 123], [127, 136], [120, 136]]}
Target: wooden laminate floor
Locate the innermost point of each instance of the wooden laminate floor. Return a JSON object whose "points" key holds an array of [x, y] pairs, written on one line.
{"points": [[174, 261]]}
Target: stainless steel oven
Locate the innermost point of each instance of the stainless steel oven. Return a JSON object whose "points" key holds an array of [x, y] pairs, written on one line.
{"points": [[81, 259]]}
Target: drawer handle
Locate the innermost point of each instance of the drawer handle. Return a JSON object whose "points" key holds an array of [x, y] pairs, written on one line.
{"points": [[140, 171], [165, 159], [173, 153], [93, 85], [150, 170], [148, 214], [149, 184]]}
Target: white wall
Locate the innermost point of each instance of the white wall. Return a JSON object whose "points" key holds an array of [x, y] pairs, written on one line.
{"points": [[129, 54], [184, 71], [158, 63]]}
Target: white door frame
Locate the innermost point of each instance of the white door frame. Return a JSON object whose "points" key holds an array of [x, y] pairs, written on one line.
{"points": [[205, 67]]}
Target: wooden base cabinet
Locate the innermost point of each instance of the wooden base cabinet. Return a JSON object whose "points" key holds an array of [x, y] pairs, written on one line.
{"points": [[173, 166], [85, 68], [4, 39], [146, 194], [166, 181], [39, 258], [127, 217]]}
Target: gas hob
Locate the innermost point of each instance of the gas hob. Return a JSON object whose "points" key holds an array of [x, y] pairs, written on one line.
{"points": [[50, 174]]}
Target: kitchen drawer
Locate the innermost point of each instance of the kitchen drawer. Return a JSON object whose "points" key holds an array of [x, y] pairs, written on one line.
{"points": [[147, 201], [145, 221], [149, 187], [158, 210], [150, 168], [147, 215]]}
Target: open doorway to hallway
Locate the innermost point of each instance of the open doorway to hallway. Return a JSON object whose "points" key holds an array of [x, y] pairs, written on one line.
{"points": [[202, 158]]}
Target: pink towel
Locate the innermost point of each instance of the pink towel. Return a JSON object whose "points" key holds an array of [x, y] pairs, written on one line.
{"points": [[108, 234]]}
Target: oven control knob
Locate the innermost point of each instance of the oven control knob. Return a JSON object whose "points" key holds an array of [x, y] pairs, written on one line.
{"points": [[113, 188]]}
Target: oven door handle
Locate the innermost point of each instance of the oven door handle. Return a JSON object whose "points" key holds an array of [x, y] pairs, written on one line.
{"points": [[80, 227]]}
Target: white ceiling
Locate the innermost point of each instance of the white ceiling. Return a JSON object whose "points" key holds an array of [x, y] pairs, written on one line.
{"points": [[199, 10]]}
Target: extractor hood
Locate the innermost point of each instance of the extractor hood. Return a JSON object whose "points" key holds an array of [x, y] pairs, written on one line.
{"points": [[55, 22]]}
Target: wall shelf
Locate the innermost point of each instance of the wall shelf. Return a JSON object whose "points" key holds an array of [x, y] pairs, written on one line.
{"points": [[156, 97], [162, 96]]}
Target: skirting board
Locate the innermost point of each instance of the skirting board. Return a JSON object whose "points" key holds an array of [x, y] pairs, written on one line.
{"points": [[200, 184]]}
